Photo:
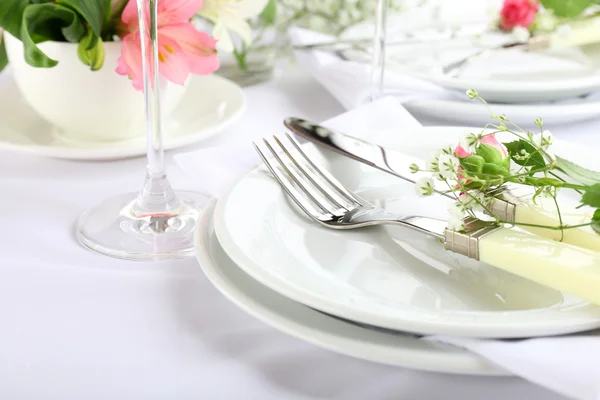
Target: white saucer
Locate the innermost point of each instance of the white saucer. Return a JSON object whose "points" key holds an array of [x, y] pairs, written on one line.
{"points": [[210, 105], [295, 319], [366, 275]]}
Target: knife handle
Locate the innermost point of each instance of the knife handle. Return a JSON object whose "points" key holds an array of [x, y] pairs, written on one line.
{"points": [[560, 266]]}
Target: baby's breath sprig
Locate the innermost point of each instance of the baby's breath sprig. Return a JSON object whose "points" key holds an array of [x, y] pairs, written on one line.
{"points": [[481, 167]]}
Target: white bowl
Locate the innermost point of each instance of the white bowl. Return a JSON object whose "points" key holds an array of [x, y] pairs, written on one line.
{"points": [[85, 105]]}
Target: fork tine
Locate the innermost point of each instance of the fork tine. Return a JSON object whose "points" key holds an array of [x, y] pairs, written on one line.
{"points": [[328, 177], [305, 186], [332, 195], [285, 182]]}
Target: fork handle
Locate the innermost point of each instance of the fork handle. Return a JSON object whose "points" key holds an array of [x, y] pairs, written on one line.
{"points": [[561, 266]]}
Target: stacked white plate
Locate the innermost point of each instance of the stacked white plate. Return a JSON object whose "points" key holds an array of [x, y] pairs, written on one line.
{"points": [[372, 293]]}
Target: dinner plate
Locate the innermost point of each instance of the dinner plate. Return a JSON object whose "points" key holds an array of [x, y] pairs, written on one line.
{"points": [[463, 111], [503, 76], [196, 118], [379, 276], [295, 319]]}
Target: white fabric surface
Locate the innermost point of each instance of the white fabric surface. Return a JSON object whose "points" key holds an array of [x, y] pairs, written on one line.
{"points": [[76, 325], [568, 365]]}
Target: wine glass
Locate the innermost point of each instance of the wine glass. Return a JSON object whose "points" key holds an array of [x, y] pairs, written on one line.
{"points": [[378, 55], [156, 223]]}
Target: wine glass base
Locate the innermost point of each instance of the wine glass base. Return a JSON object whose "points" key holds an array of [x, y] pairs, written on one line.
{"points": [[113, 229]]}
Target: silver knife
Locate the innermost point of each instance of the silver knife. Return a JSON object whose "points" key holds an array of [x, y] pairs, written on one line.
{"points": [[512, 207]]}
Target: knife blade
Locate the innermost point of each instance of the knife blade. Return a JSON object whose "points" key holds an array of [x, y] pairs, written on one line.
{"points": [[514, 208], [388, 160]]}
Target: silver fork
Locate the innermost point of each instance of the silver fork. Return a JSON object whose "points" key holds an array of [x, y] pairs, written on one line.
{"points": [[327, 201], [324, 198]]}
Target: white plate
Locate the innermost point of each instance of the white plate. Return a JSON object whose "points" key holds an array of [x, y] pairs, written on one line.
{"points": [[295, 319], [196, 118], [507, 76], [365, 275], [473, 113]]}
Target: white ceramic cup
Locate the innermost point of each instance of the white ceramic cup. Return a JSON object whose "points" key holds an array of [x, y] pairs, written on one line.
{"points": [[85, 105]]}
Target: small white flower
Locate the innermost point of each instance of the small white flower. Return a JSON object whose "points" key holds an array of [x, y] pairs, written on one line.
{"points": [[413, 168], [448, 165], [473, 201], [456, 210], [544, 139], [456, 224], [424, 186], [469, 142], [521, 34], [432, 163]]}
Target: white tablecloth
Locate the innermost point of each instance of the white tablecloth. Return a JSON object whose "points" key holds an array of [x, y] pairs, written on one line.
{"points": [[77, 325]]}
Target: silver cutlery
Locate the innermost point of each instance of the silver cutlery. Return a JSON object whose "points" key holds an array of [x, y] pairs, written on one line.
{"points": [[324, 199], [512, 206]]}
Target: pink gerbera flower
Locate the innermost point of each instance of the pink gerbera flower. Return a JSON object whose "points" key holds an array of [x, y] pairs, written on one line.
{"points": [[182, 49]]}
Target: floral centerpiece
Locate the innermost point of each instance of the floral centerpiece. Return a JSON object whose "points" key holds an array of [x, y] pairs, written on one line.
{"points": [[480, 167], [533, 17], [71, 59]]}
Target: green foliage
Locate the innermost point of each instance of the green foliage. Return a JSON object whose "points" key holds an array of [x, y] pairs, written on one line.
{"points": [[577, 173], [591, 196], [567, 8], [494, 169], [596, 221], [75, 21], [269, 13], [91, 52], [11, 15], [473, 163], [3, 56], [41, 21], [531, 158]]}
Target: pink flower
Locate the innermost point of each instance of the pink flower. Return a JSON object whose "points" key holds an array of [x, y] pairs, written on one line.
{"points": [[182, 49], [518, 13], [487, 139], [485, 155]]}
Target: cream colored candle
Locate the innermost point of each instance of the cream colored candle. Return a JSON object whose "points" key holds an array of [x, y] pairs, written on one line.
{"points": [[557, 265]]}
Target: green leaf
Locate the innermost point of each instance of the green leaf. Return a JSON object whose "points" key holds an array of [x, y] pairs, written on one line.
{"points": [[3, 56], [591, 197], [39, 20], [94, 57], [11, 15], [596, 221], [577, 173], [269, 13], [92, 11], [567, 8], [535, 159], [472, 163]]}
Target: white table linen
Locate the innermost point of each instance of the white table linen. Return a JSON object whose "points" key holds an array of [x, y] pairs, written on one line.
{"points": [[79, 325]]}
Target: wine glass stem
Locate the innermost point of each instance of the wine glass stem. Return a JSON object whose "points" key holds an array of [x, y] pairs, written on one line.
{"points": [[157, 196], [378, 60]]}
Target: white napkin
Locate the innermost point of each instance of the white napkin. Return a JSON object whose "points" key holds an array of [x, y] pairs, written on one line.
{"points": [[568, 365]]}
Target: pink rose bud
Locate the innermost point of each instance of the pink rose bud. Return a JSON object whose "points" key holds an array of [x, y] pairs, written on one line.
{"points": [[490, 156], [518, 13]]}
